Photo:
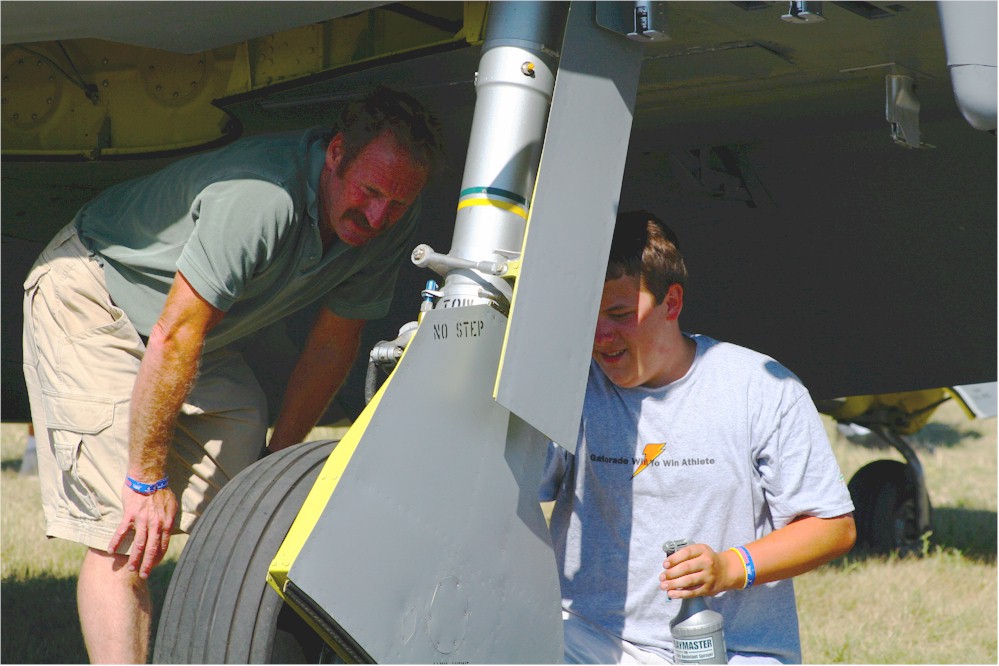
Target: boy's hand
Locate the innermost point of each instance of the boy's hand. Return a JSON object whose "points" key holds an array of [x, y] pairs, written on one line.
{"points": [[698, 571]]}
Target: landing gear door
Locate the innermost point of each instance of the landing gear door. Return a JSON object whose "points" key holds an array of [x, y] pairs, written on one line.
{"points": [[542, 374]]}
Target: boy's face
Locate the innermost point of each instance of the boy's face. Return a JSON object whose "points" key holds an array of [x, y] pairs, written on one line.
{"points": [[629, 344]]}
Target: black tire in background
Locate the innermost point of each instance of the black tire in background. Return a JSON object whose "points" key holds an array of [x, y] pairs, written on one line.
{"points": [[219, 607], [887, 508]]}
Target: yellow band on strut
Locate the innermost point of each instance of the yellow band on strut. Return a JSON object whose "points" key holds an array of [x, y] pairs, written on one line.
{"points": [[505, 205]]}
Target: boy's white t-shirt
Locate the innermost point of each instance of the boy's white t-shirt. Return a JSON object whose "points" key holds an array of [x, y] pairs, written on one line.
{"points": [[723, 456]]}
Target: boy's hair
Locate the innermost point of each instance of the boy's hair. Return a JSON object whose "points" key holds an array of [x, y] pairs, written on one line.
{"points": [[414, 128], [644, 246]]}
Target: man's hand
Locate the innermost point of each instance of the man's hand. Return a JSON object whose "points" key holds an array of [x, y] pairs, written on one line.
{"points": [[698, 571], [329, 353], [151, 516]]}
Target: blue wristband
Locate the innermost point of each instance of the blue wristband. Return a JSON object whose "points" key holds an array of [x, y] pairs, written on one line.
{"points": [[146, 488], [747, 562]]}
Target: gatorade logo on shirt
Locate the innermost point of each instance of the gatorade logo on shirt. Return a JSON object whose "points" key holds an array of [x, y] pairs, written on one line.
{"points": [[652, 451]]}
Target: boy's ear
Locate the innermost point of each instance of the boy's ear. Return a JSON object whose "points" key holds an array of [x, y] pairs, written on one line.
{"points": [[673, 301]]}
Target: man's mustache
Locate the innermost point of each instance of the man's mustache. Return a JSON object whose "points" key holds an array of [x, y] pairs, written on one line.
{"points": [[359, 218]]}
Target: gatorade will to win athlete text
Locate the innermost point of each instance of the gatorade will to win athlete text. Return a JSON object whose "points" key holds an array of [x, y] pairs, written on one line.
{"points": [[698, 632]]}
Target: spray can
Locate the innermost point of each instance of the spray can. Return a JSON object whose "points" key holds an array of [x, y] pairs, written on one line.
{"points": [[698, 632]]}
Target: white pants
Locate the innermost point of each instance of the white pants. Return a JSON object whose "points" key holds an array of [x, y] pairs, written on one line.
{"points": [[586, 643]]}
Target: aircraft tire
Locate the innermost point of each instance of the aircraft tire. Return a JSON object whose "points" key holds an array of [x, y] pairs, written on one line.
{"points": [[886, 501], [219, 607]]}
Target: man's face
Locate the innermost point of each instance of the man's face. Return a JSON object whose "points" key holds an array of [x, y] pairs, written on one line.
{"points": [[372, 194], [629, 344]]}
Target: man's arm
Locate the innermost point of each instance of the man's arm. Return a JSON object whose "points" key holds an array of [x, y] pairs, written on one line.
{"points": [[164, 380], [803, 544], [320, 371]]}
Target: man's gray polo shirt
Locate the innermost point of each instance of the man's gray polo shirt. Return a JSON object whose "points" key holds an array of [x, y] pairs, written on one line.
{"points": [[241, 225]]}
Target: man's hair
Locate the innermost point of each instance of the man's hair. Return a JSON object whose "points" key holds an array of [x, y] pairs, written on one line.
{"points": [[645, 247], [414, 128]]}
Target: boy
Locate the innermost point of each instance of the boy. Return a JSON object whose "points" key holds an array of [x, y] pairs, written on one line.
{"points": [[683, 436]]}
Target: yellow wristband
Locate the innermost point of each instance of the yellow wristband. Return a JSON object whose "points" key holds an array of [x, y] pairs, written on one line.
{"points": [[745, 570], [748, 565]]}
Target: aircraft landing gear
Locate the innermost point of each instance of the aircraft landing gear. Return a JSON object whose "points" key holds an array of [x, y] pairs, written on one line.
{"points": [[893, 511]]}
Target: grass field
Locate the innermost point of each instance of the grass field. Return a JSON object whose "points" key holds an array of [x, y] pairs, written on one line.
{"points": [[940, 608]]}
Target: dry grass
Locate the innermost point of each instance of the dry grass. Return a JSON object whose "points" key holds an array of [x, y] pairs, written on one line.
{"points": [[937, 609]]}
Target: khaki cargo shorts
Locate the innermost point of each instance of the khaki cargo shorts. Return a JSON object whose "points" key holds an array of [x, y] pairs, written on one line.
{"points": [[81, 356]]}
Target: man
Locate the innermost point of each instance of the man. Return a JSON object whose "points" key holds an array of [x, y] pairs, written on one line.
{"points": [[142, 409], [685, 437]]}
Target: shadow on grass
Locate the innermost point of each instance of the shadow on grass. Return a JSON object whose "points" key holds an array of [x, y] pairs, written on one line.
{"points": [[942, 435], [970, 532], [39, 622], [14, 464], [929, 437]]}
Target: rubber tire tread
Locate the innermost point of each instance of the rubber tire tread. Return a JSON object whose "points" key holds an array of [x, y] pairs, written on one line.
{"points": [[878, 489], [219, 607]]}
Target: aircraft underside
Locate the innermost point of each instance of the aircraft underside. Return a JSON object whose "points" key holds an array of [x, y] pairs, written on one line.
{"points": [[824, 167]]}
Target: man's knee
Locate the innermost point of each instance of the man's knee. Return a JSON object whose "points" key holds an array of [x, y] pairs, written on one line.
{"points": [[109, 569], [106, 587], [115, 609]]}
